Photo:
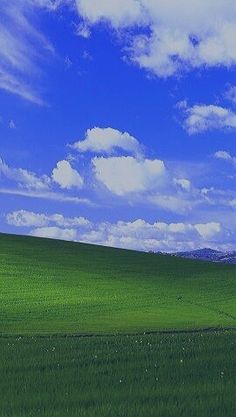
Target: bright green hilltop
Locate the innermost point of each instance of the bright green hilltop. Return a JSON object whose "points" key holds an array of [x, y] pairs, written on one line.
{"points": [[57, 287]]}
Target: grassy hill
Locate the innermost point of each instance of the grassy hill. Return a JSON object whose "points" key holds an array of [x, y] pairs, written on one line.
{"points": [[56, 287]]}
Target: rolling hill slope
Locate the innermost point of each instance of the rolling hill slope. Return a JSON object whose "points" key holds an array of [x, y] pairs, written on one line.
{"points": [[56, 287]]}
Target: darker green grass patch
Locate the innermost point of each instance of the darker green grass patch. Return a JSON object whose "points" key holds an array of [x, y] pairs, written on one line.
{"points": [[190, 375]]}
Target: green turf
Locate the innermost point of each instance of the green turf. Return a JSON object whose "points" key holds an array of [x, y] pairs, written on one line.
{"points": [[55, 287], [171, 375]]}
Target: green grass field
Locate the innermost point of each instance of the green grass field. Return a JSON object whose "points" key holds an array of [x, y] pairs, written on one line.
{"points": [[74, 323], [55, 287], [190, 375]]}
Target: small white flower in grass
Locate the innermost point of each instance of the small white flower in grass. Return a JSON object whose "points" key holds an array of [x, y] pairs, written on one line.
{"points": [[120, 381], [181, 360]]}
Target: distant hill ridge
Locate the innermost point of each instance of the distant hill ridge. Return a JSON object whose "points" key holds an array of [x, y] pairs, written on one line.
{"points": [[208, 254]]}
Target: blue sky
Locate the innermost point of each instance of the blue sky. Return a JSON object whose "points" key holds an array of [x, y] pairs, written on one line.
{"points": [[118, 123]]}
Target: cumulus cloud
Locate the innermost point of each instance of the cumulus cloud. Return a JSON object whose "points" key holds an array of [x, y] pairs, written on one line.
{"points": [[180, 35], [124, 175], [138, 234], [120, 13], [147, 182], [25, 179], [107, 140], [208, 230], [201, 118], [66, 176], [25, 218], [225, 156], [54, 233], [158, 236]]}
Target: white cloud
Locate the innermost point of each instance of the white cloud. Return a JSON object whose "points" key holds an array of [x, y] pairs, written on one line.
{"points": [[225, 156], [208, 230], [54, 233], [22, 47], [147, 182], [181, 35], [25, 218], [138, 234], [217, 197], [46, 195], [83, 30], [158, 236], [29, 184], [201, 118], [62, 221], [66, 176], [170, 36], [25, 179], [120, 13], [176, 204], [124, 175], [106, 140], [183, 183]]}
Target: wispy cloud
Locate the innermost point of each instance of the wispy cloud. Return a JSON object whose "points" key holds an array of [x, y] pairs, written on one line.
{"points": [[22, 47], [24, 178], [47, 195]]}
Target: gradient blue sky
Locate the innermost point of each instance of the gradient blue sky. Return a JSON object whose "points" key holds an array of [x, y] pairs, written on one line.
{"points": [[118, 124]]}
